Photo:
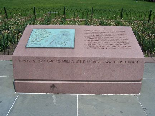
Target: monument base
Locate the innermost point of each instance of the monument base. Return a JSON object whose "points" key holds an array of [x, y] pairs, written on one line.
{"points": [[78, 87]]}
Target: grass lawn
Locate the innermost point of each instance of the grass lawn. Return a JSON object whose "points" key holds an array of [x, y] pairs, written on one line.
{"points": [[77, 12], [97, 4]]}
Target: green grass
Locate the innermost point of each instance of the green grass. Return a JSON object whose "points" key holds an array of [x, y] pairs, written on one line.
{"points": [[20, 13], [97, 4]]}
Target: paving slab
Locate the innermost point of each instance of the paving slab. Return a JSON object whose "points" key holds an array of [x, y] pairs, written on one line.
{"points": [[116, 105], [7, 95], [45, 105], [149, 71], [147, 97], [6, 69]]}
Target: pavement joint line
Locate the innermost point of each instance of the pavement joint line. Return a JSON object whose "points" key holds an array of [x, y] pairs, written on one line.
{"points": [[54, 99], [121, 94], [32, 93], [77, 104], [143, 108], [148, 78], [78, 94], [43, 94], [3, 76], [12, 105], [110, 94]]}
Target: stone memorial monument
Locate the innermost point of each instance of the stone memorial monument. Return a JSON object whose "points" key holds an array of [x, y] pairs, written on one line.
{"points": [[78, 60]]}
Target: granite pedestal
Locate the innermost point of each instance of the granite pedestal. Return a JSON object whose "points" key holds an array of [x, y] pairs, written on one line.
{"points": [[103, 60]]}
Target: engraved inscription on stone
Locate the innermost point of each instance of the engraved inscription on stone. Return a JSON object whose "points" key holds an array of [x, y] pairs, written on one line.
{"points": [[78, 61], [52, 38], [102, 39]]}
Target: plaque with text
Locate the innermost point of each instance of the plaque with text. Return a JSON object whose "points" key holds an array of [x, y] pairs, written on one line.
{"points": [[57, 38]]}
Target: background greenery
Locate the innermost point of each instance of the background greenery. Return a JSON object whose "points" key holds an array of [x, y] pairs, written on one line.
{"points": [[17, 14], [97, 4]]}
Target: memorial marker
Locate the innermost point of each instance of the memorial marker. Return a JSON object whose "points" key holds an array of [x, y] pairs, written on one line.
{"points": [[78, 60]]}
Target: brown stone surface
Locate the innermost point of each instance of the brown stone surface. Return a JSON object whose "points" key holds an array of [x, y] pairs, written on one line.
{"points": [[5, 57], [115, 57], [149, 60], [153, 58], [73, 87]]}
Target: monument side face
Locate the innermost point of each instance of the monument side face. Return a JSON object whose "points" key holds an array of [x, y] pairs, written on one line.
{"points": [[102, 53]]}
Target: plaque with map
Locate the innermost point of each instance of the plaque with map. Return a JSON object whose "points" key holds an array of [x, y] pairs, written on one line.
{"points": [[56, 38]]}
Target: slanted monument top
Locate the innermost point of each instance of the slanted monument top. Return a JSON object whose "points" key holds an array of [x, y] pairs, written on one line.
{"points": [[85, 41]]}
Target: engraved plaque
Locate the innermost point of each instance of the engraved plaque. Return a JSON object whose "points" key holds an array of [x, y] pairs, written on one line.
{"points": [[58, 38]]}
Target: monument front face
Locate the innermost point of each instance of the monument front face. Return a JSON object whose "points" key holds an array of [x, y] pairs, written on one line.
{"points": [[78, 53]]}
